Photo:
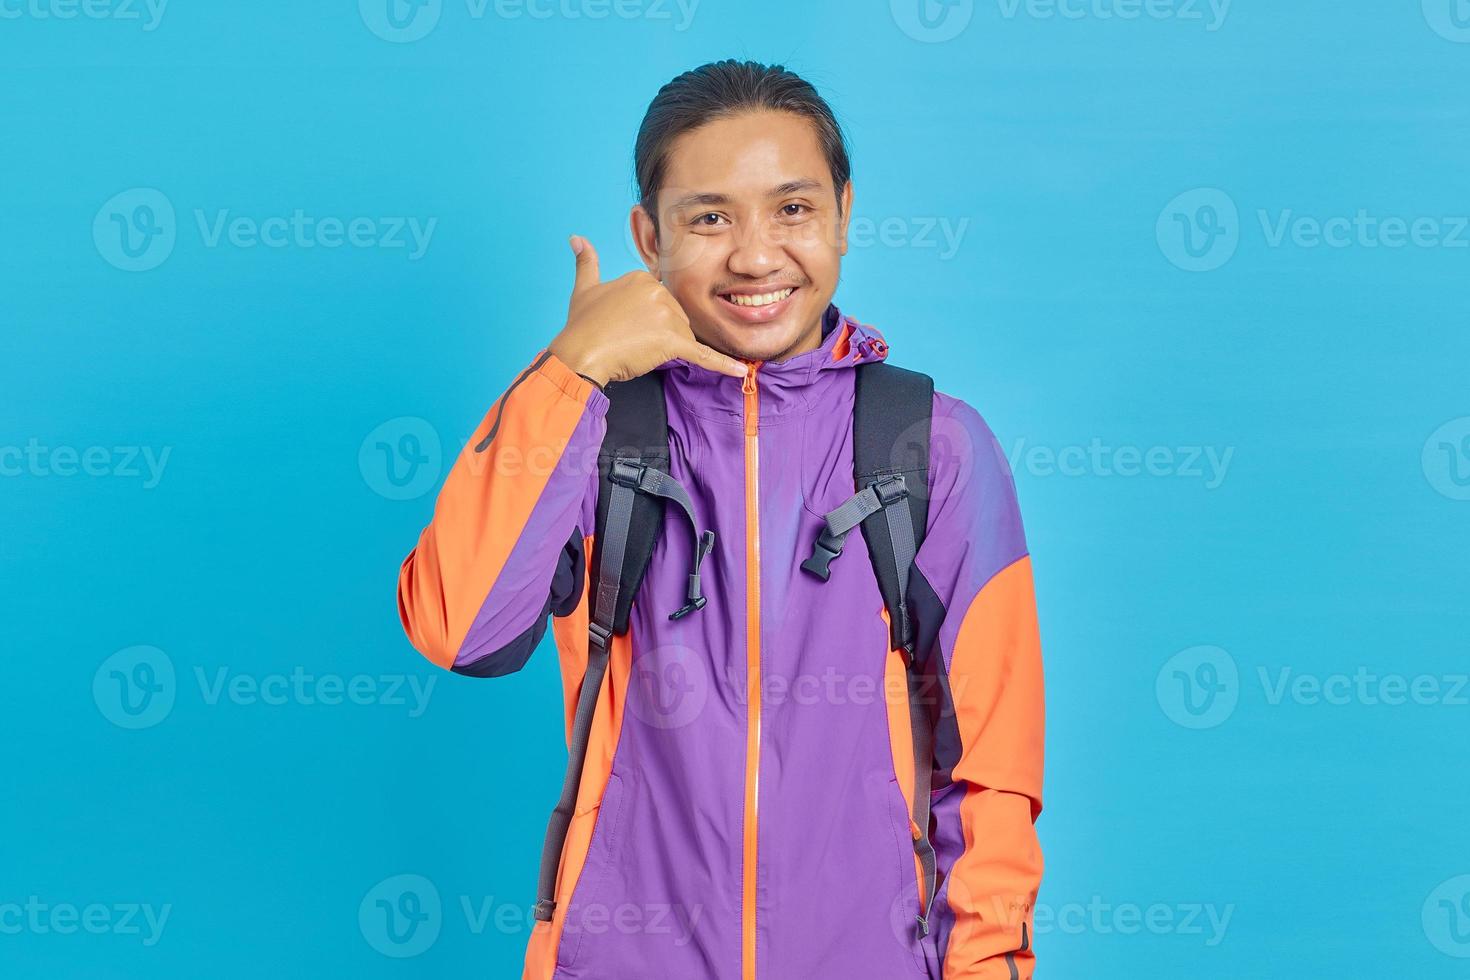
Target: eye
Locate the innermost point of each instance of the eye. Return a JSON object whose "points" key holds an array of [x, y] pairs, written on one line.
{"points": [[794, 210], [704, 220]]}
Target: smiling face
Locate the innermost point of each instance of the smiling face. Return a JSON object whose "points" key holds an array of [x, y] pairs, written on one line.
{"points": [[751, 233]]}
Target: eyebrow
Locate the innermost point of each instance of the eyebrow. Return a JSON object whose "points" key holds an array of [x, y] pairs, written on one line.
{"points": [[780, 190]]}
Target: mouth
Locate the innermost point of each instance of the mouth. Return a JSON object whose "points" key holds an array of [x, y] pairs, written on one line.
{"points": [[759, 307]]}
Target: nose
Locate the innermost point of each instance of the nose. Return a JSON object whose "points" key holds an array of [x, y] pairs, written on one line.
{"points": [[756, 254]]}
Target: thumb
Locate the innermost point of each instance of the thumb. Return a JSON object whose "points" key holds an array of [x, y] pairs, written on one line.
{"points": [[587, 271]]}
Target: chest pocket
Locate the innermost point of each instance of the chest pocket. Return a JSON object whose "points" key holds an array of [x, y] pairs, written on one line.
{"points": [[826, 463]]}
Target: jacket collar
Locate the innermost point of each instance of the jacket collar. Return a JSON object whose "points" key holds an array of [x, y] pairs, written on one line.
{"points": [[796, 385]]}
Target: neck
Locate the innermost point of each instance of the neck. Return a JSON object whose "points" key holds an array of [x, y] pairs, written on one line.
{"points": [[810, 339]]}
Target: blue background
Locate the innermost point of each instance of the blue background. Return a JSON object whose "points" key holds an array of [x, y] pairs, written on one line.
{"points": [[1335, 539]]}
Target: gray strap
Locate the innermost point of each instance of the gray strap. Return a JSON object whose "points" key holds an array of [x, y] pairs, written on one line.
{"points": [[853, 512], [656, 483], [901, 533], [648, 480], [619, 516], [923, 772], [839, 522], [619, 519]]}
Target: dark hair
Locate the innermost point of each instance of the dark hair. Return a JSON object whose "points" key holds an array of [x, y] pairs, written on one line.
{"points": [[719, 90]]}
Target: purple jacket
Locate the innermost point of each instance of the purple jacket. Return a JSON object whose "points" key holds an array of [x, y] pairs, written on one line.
{"points": [[744, 809]]}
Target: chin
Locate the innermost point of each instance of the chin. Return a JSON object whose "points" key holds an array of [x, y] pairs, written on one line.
{"points": [[758, 341], [745, 344]]}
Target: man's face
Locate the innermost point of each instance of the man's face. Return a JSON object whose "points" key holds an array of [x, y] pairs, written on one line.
{"points": [[747, 211]]}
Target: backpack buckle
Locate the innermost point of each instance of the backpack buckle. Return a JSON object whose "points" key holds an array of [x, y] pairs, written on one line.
{"points": [[827, 547], [891, 489], [627, 472], [599, 635], [698, 602]]}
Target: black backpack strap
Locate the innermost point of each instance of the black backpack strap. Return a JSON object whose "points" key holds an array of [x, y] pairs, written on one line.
{"points": [[637, 435], [890, 448], [634, 481]]}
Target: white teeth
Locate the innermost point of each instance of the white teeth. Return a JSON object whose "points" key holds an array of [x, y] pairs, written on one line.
{"points": [[761, 299]]}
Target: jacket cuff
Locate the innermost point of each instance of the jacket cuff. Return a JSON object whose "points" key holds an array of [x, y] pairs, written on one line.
{"points": [[572, 384]]}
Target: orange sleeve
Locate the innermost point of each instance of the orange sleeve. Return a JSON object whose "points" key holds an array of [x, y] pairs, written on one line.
{"points": [[995, 677], [480, 575], [972, 590]]}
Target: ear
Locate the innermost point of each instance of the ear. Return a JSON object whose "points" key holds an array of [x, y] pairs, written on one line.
{"points": [[845, 198], [645, 237]]}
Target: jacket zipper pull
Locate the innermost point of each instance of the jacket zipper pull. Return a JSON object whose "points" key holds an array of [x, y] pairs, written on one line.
{"points": [[747, 388]]}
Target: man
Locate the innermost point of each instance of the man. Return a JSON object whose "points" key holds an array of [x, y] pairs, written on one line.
{"points": [[744, 807]]}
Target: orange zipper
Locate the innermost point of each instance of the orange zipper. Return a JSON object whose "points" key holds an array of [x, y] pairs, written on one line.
{"points": [[752, 666]]}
